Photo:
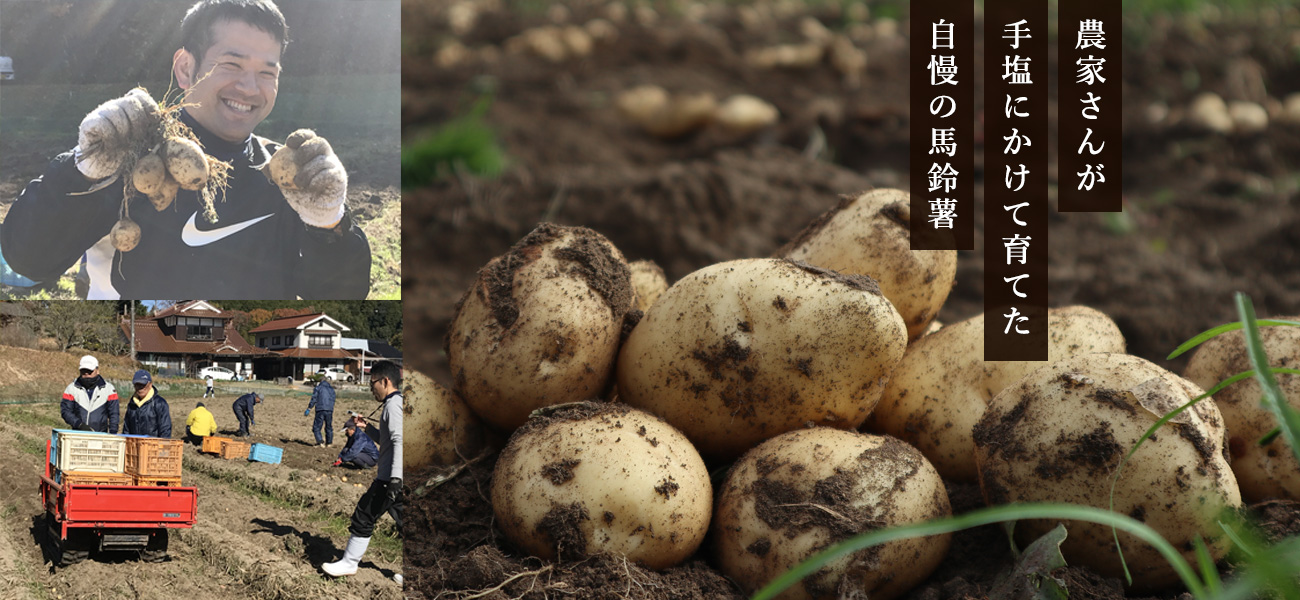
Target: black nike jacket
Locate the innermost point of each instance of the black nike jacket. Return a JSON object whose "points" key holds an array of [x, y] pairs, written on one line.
{"points": [[258, 249]]}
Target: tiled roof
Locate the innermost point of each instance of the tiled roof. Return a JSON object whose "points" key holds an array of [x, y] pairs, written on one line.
{"points": [[286, 323], [313, 353], [182, 309], [149, 337]]}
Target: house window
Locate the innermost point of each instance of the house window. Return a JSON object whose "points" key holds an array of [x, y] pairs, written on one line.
{"points": [[198, 332], [320, 341], [261, 342], [275, 341], [288, 340]]}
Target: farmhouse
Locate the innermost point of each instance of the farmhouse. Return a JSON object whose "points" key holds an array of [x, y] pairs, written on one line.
{"points": [[300, 346], [189, 336]]}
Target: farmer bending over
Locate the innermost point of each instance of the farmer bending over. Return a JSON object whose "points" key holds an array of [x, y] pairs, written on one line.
{"points": [[243, 408], [199, 424], [360, 452]]}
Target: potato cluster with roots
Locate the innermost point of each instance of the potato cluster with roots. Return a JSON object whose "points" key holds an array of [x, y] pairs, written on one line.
{"points": [[157, 162]]}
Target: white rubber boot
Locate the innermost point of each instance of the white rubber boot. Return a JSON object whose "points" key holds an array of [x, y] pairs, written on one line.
{"points": [[351, 557]]}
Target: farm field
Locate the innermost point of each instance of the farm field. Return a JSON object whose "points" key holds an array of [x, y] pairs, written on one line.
{"points": [[1205, 214], [263, 530]]}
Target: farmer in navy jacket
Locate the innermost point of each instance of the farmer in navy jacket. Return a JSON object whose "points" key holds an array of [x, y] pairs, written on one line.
{"points": [[147, 412], [323, 399], [360, 451], [89, 402], [243, 408]]}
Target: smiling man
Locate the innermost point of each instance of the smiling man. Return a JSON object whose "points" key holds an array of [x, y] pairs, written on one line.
{"points": [[268, 242]]}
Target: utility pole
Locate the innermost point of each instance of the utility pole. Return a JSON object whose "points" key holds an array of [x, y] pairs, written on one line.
{"points": [[132, 303]]}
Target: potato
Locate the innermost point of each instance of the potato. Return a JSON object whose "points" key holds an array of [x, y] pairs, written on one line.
{"points": [[641, 103], [684, 114], [125, 235], [445, 431], [593, 478], [541, 325], [166, 194], [943, 386], [1058, 435], [648, 283], [149, 174], [744, 114], [799, 492], [282, 169], [186, 163], [1264, 472], [869, 235], [739, 352]]}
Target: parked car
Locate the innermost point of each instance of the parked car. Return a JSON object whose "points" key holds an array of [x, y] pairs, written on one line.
{"points": [[220, 373], [335, 374]]}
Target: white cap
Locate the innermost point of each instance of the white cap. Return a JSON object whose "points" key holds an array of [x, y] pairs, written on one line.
{"points": [[89, 362]]}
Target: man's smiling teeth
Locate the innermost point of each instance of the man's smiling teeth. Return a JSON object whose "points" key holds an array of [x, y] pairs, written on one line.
{"points": [[238, 106]]}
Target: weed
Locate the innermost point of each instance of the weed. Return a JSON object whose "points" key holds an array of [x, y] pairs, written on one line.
{"points": [[464, 145]]}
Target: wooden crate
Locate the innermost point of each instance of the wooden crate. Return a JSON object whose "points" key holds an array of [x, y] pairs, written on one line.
{"points": [[212, 444], [158, 481], [153, 457], [93, 478], [232, 450]]}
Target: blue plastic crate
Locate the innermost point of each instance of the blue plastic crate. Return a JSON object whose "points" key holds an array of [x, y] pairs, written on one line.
{"points": [[265, 453]]}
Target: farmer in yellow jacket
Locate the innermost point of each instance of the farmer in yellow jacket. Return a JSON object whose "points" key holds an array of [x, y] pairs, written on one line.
{"points": [[199, 424]]}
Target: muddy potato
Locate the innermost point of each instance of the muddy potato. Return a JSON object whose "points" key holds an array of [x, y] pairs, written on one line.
{"points": [[443, 429], [802, 491], [541, 325], [943, 386], [186, 163], [166, 194], [149, 174], [598, 477], [648, 283], [1058, 435], [869, 235], [125, 235], [741, 351], [1269, 471]]}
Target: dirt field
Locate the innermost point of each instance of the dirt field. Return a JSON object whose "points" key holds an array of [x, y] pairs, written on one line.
{"points": [[1206, 214], [263, 530]]}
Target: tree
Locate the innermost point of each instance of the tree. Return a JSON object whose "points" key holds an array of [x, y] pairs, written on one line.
{"points": [[257, 318], [73, 323]]}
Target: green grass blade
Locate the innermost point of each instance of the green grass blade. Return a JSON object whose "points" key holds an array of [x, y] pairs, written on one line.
{"points": [[1222, 329], [1274, 400], [1269, 437], [1209, 573], [987, 516], [1246, 547], [1151, 431]]}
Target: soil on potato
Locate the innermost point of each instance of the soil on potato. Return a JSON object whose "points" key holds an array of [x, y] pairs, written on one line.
{"points": [[1205, 215]]}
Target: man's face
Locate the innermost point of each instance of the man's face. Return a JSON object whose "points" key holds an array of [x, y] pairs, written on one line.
{"points": [[88, 373], [235, 82], [377, 388], [142, 389]]}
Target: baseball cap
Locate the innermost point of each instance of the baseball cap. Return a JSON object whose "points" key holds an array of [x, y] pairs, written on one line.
{"points": [[142, 376], [89, 362]]}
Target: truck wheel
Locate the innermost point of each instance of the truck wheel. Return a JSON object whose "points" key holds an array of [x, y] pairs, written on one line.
{"points": [[156, 549]]}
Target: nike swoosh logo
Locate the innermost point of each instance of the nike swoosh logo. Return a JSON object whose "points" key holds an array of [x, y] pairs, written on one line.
{"points": [[195, 238]]}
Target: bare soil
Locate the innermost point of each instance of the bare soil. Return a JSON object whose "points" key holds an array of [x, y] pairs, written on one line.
{"points": [[263, 530], [1205, 215]]}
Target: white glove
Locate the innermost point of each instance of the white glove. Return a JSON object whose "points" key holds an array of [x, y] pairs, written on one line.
{"points": [[321, 185], [110, 131]]}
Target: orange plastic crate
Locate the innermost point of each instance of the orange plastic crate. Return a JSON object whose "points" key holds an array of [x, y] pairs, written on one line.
{"points": [[158, 481], [212, 444], [232, 450], [154, 457], [94, 478]]}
